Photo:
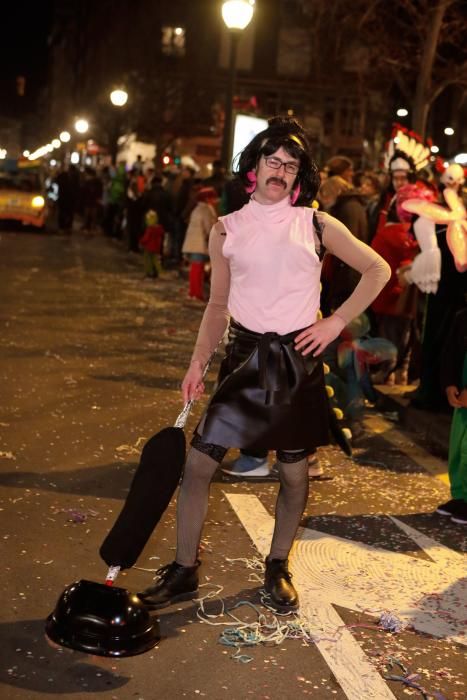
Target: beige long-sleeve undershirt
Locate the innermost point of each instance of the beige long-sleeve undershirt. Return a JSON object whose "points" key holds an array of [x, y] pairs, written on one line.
{"points": [[337, 239]]}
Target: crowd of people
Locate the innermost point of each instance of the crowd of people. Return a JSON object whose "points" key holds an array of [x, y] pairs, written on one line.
{"points": [[116, 200], [168, 217]]}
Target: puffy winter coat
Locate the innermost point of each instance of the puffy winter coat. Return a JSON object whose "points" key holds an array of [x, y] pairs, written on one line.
{"points": [[202, 219]]}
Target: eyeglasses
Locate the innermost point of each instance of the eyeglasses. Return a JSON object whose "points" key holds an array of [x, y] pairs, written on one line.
{"points": [[276, 163]]}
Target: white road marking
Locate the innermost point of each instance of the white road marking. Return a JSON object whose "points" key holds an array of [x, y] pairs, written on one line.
{"points": [[332, 570]]}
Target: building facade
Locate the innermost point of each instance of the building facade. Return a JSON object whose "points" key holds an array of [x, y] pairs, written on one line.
{"points": [[172, 58]]}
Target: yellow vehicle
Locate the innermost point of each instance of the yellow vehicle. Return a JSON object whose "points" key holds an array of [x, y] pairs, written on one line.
{"points": [[22, 198]]}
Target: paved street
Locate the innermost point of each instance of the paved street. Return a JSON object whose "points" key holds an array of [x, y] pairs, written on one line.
{"points": [[91, 360]]}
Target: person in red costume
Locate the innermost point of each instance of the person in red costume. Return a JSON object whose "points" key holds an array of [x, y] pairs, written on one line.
{"points": [[395, 307]]}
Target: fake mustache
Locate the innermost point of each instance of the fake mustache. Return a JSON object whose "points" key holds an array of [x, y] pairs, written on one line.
{"points": [[277, 181]]}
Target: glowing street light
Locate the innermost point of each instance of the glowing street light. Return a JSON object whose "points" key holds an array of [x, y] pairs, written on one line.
{"points": [[434, 149], [25, 154], [449, 131], [81, 126], [119, 98], [402, 112], [65, 136], [237, 15], [56, 143]]}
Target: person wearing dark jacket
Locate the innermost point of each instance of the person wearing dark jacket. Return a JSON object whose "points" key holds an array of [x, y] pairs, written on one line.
{"points": [[184, 203], [370, 189], [91, 198], [68, 194], [342, 200], [157, 199], [454, 382]]}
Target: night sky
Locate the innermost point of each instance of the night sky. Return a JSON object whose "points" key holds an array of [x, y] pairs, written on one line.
{"points": [[23, 51]]}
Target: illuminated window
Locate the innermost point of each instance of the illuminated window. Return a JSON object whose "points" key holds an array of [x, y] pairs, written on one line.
{"points": [[173, 41]]}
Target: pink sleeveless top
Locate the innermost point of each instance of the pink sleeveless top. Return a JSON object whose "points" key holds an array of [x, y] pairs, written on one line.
{"points": [[274, 268]]}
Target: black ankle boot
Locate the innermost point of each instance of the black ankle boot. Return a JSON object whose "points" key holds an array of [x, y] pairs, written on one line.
{"points": [[175, 583], [278, 583]]}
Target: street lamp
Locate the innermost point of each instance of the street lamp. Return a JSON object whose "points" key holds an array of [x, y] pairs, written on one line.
{"points": [[237, 15], [65, 136], [119, 98], [449, 131], [402, 112], [81, 126]]}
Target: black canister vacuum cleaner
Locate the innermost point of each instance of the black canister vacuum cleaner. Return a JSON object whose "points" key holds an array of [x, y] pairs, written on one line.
{"points": [[100, 618]]}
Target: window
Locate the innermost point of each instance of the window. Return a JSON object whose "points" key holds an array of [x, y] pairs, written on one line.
{"points": [[173, 41], [294, 52]]}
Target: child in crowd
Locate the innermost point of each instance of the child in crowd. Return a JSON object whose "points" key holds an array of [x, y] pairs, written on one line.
{"points": [[151, 242], [454, 381], [195, 248]]}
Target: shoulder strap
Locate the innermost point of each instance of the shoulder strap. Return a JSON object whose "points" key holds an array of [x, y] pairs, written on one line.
{"points": [[318, 226]]}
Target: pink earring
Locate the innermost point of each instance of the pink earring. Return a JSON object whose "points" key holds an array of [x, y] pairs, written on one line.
{"points": [[251, 175], [295, 194]]}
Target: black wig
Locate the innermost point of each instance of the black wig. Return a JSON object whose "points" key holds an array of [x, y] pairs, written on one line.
{"points": [[287, 133]]}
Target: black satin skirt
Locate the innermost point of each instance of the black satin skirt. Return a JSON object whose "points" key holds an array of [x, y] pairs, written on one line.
{"points": [[269, 396]]}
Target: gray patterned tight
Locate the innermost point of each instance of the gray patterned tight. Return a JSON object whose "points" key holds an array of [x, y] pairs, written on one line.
{"points": [[193, 504]]}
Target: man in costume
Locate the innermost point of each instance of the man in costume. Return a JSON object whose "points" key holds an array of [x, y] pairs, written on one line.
{"points": [[266, 266]]}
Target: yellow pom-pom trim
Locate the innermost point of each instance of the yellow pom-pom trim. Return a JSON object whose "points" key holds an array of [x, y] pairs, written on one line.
{"points": [[326, 369], [329, 391], [315, 204], [338, 413], [347, 432], [319, 314]]}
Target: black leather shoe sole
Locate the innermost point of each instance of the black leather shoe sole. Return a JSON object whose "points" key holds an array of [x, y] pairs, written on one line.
{"points": [[153, 605], [280, 607]]}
